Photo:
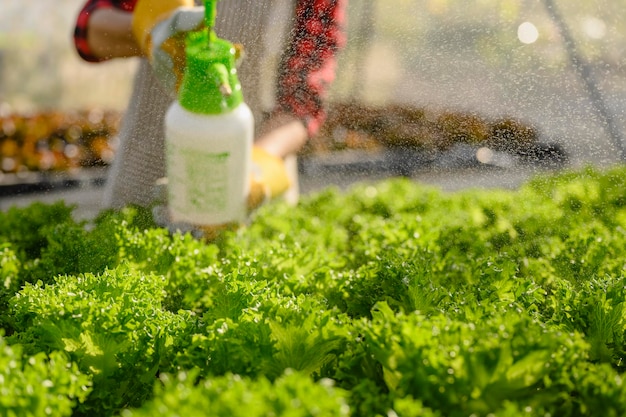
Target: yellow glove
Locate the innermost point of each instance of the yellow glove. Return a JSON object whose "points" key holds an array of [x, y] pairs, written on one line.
{"points": [[159, 27], [269, 177]]}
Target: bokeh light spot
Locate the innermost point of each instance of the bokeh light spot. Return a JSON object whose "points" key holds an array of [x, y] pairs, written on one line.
{"points": [[527, 33], [594, 28]]}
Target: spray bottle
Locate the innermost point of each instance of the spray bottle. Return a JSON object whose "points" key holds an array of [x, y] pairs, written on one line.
{"points": [[208, 135]]}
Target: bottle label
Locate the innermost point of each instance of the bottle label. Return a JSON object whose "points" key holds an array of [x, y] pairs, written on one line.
{"points": [[205, 180]]}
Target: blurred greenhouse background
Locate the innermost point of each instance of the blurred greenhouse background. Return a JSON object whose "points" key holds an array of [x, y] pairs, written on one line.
{"points": [[496, 57], [39, 68], [488, 57]]}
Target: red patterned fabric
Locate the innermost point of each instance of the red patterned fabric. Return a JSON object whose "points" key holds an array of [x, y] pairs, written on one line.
{"points": [[307, 66]]}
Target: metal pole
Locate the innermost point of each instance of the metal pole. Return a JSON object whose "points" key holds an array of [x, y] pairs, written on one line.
{"points": [[585, 73]]}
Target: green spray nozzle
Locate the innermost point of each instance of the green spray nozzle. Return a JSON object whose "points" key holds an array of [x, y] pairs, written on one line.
{"points": [[210, 11], [210, 84]]}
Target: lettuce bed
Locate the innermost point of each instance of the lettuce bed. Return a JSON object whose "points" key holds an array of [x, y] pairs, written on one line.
{"points": [[393, 299]]}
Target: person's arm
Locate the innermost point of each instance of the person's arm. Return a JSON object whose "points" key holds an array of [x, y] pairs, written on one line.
{"points": [[102, 30], [109, 34], [282, 135], [307, 69]]}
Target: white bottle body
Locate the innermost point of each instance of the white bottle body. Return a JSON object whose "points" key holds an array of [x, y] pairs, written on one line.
{"points": [[208, 165]]}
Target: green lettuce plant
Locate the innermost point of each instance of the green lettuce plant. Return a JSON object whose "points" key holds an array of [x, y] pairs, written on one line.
{"points": [[410, 300], [39, 385]]}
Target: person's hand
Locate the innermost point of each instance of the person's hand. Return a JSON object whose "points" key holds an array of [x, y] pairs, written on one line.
{"points": [[269, 177], [159, 28]]}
